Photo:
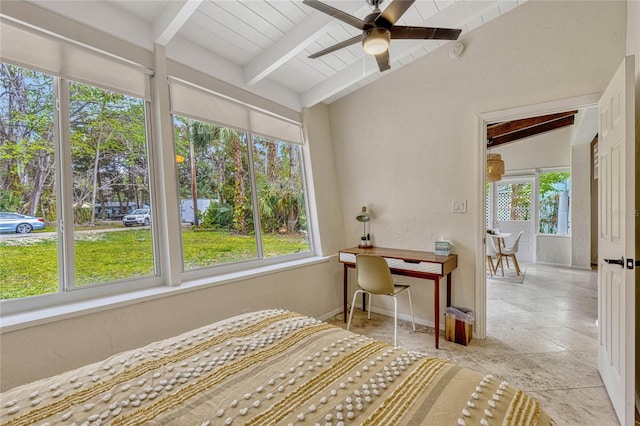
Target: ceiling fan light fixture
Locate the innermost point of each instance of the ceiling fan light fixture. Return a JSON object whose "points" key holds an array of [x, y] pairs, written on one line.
{"points": [[376, 41]]}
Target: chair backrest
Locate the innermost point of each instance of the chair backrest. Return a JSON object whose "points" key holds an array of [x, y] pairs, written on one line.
{"points": [[491, 246], [514, 247], [373, 274]]}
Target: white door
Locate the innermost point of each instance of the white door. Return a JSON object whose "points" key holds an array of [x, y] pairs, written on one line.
{"points": [[616, 241]]}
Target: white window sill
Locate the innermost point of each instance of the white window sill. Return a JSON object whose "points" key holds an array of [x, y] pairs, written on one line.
{"points": [[37, 317]]}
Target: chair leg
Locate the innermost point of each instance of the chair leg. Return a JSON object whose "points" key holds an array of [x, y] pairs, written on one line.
{"points": [[515, 263], [501, 265], [369, 310], [413, 319], [490, 263], [395, 321], [353, 305]]}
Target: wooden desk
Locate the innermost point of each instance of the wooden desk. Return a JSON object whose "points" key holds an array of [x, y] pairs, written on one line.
{"points": [[410, 263]]}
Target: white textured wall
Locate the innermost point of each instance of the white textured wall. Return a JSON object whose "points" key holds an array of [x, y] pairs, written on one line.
{"points": [[550, 149], [553, 249], [581, 206], [406, 143]]}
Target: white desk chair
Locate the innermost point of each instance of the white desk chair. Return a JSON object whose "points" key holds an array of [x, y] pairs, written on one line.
{"points": [[374, 278], [510, 252]]}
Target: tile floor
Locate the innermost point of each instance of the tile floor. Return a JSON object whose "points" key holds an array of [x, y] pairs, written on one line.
{"points": [[541, 338]]}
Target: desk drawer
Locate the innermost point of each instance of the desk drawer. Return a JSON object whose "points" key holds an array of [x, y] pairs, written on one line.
{"points": [[432, 268], [347, 257]]}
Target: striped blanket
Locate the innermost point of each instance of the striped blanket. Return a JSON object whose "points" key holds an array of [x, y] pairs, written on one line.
{"points": [[270, 367]]}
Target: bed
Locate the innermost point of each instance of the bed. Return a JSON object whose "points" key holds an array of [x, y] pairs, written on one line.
{"points": [[270, 367]]}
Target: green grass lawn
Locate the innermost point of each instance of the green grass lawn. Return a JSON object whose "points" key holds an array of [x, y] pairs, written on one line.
{"points": [[29, 266]]}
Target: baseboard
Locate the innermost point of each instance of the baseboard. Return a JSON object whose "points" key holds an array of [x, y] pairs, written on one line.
{"points": [[582, 268], [330, 314], [562, 265]]}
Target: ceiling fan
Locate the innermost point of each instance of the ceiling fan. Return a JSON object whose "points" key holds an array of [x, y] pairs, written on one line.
{"points": [[378, 28]]}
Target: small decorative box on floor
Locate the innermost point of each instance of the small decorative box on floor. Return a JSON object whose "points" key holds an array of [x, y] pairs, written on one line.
{"points": [[458, 325]]}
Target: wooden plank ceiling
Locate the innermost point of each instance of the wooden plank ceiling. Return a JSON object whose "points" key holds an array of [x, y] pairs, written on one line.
{"points": [[511, 131]]}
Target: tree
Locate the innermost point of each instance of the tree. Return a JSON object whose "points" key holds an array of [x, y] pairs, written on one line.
{"points": [[108, 146], [202, 135], [26, 129], [240, 199]]}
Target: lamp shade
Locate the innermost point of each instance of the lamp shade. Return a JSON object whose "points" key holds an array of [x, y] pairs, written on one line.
{"points": [[376, 41], [495, 167], [363, 216]]}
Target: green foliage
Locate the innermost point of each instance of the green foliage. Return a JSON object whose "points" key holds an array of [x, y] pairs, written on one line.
{"points": [[548, 180], [218, 216], [9, 202], [26, 126], [30, 267], [550, 200]]}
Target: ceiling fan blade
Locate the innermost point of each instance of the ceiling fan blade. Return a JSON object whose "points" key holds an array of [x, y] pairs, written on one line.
{"points": [[394, 11], [422, 33], [338, 46], [383, 60], [336, 13]]}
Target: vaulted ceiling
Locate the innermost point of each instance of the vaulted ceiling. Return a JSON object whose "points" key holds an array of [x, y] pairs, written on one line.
{"points": [[262, 46], [512, 131]]}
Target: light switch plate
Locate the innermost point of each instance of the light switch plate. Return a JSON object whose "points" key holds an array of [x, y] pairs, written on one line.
{"points": [[459, 206]]}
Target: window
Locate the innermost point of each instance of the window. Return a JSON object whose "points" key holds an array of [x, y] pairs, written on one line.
{"points": [[110, 172], [76, 155], [281, 197], [106, 178], [241, 197], [555, 197], [28, 262], [513, 201]]}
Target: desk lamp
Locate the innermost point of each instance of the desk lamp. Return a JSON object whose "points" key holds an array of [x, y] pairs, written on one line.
{"points": [[364, 217]]}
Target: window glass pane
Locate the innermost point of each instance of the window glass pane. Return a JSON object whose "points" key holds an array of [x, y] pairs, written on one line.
{"points": [[28, 244], [111, 196], [215, 194], [281, 198], [555, 195], [513, 201]]}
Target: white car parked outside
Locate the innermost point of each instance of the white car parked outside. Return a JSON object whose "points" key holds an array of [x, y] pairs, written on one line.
{"points": [[138, 217]]}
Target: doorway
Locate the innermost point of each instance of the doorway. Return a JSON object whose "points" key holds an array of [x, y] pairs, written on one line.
{"points": [[483, 121]]}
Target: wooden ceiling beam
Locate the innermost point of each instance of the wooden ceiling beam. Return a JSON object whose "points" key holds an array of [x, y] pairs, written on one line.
{"points": [[501, 129], [531, 131]]}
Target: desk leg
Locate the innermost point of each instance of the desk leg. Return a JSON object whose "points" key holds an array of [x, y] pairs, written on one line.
{"points": [[449, 289], [344, 290], [436, 309]]}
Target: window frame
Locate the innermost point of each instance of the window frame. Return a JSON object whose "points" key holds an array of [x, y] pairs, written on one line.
{"points": [[73, 300], [259, 261]]}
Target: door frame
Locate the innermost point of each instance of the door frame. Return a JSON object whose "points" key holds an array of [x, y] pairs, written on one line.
{"points": [[551, 107]]}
